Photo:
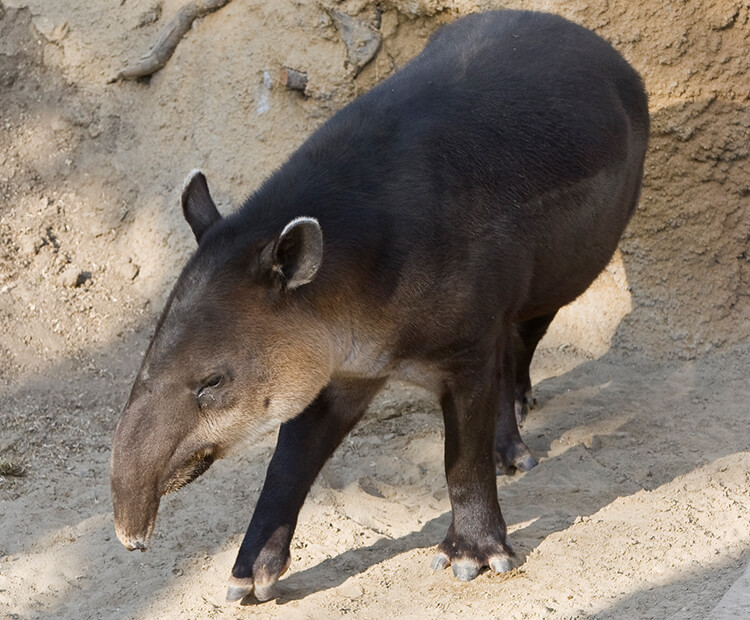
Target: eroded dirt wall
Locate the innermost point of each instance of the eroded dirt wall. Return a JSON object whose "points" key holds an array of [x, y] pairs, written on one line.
{"points": [[91, 170]]}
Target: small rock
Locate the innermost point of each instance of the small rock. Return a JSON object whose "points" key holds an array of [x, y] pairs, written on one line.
{"points": [[128, 270], [69, 276], [293, 79], [27, 244], [362, 40], [350, 590], [389, 413], [418, 8], [263, 97], [370, 487], [82, 278]]}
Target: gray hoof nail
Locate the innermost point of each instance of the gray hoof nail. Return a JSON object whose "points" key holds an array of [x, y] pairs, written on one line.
{"points": [[264, 593], [237, 593], [502, 470], [501, 564], [439, 562], [527, 463], [465, 571]]}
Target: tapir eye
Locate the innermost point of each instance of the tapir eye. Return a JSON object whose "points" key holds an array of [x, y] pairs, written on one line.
{"points": [[213, 381], [206, 396]]}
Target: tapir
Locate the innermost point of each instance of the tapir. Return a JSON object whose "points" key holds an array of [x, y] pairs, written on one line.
{"points": [[429, 231]]}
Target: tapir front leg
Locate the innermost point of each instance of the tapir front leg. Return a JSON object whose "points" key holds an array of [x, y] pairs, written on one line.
{"points": [[477, 534], [304, 445]]}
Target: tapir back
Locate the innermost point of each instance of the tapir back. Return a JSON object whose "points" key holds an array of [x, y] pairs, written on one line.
{"points": [[489, 162]]}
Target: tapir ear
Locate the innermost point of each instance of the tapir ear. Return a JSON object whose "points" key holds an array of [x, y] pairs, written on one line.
{"points": [[197, 205], [294, 257]]}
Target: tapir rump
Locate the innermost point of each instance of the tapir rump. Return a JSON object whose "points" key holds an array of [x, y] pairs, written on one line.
{"points": [[428, 232]]}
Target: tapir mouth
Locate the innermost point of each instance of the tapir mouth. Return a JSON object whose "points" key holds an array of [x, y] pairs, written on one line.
{"points": [[135, 516], [195, 467]]}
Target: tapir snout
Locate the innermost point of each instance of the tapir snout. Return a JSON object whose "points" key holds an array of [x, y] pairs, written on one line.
{"points": [[151, 456]]}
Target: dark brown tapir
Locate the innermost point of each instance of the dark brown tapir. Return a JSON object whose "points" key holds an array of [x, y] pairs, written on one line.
{"points": [[429, 232]]}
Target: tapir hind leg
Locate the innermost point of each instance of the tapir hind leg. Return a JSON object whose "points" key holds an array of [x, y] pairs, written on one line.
{"points": [[304, 445], [526, 337], [511, 452]]}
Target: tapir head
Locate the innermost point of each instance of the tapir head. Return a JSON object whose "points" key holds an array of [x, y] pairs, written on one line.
{"points": [[236, 351]]}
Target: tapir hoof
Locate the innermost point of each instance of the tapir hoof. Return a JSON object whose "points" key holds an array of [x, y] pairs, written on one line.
{"points": [[515, 458], [526, 463], [466, 569], [262, 584], [468, 559], [239, 588]]}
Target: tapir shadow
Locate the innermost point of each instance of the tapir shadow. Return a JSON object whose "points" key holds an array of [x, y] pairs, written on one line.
{"points": [[332, 572], [601, 400]]}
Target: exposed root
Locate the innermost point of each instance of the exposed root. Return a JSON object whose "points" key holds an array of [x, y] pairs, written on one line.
{"points": [[169, 38]]}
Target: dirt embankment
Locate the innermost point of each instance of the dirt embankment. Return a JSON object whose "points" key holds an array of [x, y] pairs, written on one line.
{"points": [[640, 504]]}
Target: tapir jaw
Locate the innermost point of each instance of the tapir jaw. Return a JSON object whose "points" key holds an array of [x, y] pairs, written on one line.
{"points": [[192, 470]]}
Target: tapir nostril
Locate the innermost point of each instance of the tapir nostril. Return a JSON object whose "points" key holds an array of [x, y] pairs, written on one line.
{"points": [[134, 544]]}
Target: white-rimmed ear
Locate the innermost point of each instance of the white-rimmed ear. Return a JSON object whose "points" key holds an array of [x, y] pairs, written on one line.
{"points": [[294, 257], [197, 205]]}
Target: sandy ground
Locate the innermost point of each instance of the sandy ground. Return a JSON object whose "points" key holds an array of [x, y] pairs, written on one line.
{"points": [[640, 505], [639, 508]]}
